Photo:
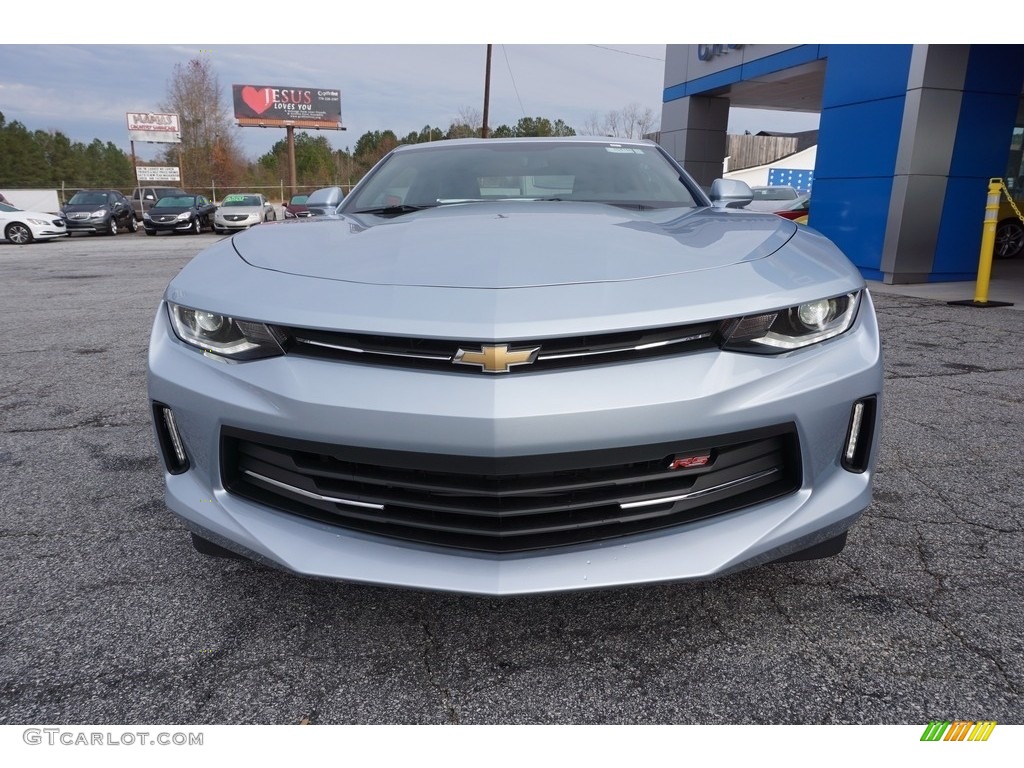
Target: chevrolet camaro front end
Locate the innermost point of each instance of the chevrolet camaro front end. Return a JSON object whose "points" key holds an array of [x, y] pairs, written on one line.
{"points": [[519, 366]]}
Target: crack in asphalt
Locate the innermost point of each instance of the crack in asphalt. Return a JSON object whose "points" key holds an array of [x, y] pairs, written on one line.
{"points": [[949, 375], [429, 650], [95, 422]]}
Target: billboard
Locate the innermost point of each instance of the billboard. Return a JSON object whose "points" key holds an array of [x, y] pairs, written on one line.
{"points": [[150, 126], [272, 105]]}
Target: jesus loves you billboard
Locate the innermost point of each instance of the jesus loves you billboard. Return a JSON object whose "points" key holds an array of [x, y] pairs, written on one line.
{"points": [[273, 105]]}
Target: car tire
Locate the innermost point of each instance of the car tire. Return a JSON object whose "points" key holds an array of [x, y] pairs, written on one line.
{"points": [[133, 225], [828, 548], [18, 233], [112, 228], [1009, 239], [208, 548], [197, 226], [150, 232]]}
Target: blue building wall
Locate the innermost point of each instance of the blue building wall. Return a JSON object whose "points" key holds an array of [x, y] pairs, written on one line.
{"points": [[871, 177], [987, 115], [859, 133]]}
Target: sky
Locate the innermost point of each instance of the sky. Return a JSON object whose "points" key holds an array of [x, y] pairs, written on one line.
{"points": [[399, 66], [85, 90]]}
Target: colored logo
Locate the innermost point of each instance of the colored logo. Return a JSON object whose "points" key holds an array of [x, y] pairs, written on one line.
{"points": [[958, 730], [496, 358]]}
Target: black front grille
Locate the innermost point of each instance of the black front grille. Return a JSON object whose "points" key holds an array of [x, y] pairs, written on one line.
{"points": [[515, 503], [441, 354]]}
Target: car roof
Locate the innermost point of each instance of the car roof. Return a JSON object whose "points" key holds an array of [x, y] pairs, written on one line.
{"points": [[438, 145]]}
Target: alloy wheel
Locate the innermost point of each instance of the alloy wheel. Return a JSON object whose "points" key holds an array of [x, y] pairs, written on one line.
{"points": [[18, 233]]}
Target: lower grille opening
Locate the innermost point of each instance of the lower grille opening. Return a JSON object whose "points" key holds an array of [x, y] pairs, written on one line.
{"points": [[512, 504]]}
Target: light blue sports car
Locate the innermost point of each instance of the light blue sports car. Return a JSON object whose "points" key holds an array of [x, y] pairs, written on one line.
{"points": [[520, 366]]}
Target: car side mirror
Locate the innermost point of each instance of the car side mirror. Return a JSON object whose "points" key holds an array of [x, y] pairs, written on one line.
{"points": [[730, 193]]}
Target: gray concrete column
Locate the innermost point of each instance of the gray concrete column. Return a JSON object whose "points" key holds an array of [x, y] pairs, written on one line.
{"points": [[930, 117], [701, 143]]}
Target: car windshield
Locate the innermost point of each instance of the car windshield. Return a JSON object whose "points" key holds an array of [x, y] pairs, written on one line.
{"points": [[774, 193], [299, 200], [178, 201], [7, 208], [250, 201], [631, 175], [88, 198]]}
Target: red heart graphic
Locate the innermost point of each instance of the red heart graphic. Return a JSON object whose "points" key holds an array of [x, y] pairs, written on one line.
{"points": [[258, 99]]}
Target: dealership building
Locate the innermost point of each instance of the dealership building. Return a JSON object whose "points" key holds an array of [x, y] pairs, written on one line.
{"points": [[909, 137]]}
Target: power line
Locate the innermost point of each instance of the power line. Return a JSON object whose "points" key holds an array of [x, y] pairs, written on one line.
{"points": [[514, 87], [628, 53]]}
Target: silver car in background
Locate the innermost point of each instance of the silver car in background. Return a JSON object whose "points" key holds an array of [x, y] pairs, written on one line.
{"points": [[242, 211], [520, 366]]}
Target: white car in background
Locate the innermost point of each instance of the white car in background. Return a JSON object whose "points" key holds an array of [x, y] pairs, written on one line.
{"points": [[242, 211], [774, 198], [21, 227]]}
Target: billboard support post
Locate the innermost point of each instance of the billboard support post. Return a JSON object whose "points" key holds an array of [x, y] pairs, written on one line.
{"points": [[273, 106], [290, 131]]}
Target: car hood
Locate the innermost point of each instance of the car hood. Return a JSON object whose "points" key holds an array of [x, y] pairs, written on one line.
{"points": [[85, 208], [20, 215], [170, 210], [515, 245]]}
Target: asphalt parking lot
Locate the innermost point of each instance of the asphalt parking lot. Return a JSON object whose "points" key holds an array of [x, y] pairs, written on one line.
{"points": [[111, 617]]}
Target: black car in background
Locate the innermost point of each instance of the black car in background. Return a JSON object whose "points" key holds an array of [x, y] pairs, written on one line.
{"points": [[179, 213], [144, 198], [99, 211]]}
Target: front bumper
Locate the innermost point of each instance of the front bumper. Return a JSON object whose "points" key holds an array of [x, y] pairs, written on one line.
{"points": [[88, 225], [235, 226], [168, 226], [670, 399], [47, 233]]}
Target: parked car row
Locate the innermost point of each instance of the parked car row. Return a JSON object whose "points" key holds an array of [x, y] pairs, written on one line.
{"points": [[159, 209]]}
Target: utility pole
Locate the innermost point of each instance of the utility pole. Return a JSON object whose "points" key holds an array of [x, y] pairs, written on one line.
{"points": [[484, 131]]}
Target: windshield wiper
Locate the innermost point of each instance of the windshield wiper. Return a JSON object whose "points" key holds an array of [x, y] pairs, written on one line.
{"points": [[395, 210]]}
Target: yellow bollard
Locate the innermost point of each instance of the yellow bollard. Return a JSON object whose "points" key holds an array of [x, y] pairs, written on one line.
{"points": [[988, 241]]}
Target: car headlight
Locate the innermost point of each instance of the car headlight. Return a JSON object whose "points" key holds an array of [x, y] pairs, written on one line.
{"points": [[98, 214], [146, 216], [772, 333], [38, 222], [222, 335], [185, 216]]}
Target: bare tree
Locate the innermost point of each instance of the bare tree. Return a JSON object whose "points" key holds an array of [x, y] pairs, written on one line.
{"points": [[209, 141], [467, 124], [630, 122]]}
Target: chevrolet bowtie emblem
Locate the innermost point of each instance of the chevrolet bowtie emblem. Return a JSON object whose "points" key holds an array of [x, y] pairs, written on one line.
{"points": [[496, 358]]}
